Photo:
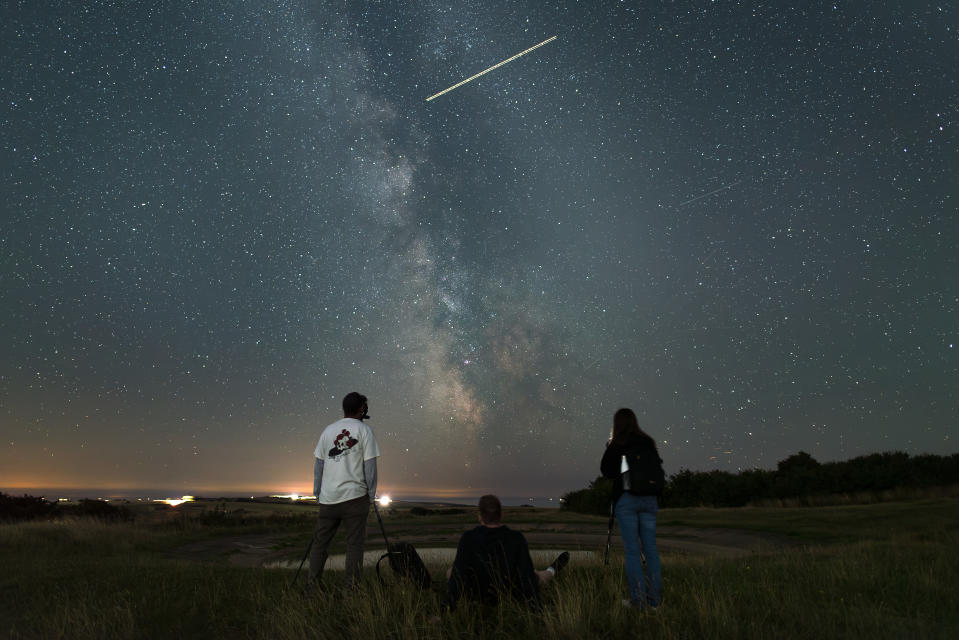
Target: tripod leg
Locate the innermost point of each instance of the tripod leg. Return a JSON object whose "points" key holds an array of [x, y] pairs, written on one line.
{"points": [[305, 556], [382, 528], [609, 533]]}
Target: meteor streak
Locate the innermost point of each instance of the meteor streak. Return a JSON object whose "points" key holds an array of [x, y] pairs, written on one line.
{"points": [[485, 71], [706, 195]]}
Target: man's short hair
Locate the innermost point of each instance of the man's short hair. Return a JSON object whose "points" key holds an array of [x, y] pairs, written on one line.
{"points": [[353, 402], [490, 509]]}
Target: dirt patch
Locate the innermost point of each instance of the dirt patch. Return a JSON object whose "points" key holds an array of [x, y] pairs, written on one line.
{"points": [[246, 551], [689, 540], [260, 550], [725, 542]]}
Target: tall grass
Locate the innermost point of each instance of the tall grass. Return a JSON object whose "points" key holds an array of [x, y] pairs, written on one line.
{"points": [[899, 494], [94, 580], [827, 524]]}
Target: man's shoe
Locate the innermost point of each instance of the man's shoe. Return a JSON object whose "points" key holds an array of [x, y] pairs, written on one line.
{"points": [[313, 588], [561, 561]]}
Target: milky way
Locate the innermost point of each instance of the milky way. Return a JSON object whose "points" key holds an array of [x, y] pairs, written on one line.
{"points": [[217, 219]]}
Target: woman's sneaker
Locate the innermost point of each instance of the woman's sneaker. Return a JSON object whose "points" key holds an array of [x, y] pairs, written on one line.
{"points": [[561, 561]]}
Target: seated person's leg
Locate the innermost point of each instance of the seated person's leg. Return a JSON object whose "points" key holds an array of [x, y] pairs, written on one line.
{"points": [[549, 572]]}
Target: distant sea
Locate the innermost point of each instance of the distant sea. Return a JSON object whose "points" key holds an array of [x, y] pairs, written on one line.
{"points": [[508, 501], [53, 494]]}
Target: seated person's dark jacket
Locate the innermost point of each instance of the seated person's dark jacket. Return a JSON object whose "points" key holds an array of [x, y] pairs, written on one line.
{"points": [[490, 562]]}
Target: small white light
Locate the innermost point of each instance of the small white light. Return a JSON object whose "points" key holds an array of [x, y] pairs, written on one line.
{"points": [[385, 501]]}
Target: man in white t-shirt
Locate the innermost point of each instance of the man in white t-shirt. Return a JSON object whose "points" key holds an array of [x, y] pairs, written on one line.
{"points": [[344, 483]]}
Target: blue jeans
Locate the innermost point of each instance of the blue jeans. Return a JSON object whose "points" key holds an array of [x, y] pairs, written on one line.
{"points": [[637, 523]]}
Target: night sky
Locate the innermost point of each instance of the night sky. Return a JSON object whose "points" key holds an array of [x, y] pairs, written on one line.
{"points": [[737, 218]]}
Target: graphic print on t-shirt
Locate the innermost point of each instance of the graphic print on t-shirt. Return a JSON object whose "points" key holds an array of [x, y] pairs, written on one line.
{"points": [[342, 443]]}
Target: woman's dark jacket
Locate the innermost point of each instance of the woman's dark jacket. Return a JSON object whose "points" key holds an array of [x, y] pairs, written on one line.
{"points": [[613, 456]]}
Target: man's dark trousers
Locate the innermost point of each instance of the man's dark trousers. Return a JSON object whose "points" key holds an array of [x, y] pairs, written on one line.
{"points": [[352, 514]]}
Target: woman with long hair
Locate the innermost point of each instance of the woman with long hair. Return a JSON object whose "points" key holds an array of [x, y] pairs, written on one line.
{"points": [[636, 507]]}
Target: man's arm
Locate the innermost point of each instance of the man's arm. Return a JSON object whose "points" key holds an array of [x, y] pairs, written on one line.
{"points": [[369, 474], [528, 582], [317, 477], [455, 585]]}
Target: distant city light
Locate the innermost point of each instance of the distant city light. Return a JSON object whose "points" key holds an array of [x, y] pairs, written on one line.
{"points": [[295, 497], [175, 501]]}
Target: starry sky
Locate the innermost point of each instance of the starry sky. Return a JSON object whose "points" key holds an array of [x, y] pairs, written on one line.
{"points": [[737, 218]]}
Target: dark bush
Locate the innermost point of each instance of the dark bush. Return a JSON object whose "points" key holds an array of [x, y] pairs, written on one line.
{"points": [[799, 476], [593, 499], [13, 509], [99, 509]]}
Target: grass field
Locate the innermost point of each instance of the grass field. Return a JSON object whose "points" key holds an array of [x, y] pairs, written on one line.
{"points": [[875, 571]]}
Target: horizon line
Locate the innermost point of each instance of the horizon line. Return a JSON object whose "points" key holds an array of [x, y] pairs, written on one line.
{"points": [[443, 494]]}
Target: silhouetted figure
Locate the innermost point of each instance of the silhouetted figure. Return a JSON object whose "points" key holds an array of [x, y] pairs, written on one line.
{"points": [[636, 505], [344, 483], [493, 560]]}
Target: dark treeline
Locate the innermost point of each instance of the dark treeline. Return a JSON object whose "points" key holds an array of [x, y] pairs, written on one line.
{"points": [[13, 508], [798, 477], [27, 508]]}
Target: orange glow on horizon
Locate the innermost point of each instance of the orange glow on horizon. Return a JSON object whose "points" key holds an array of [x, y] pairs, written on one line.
{"points": [[397, 491], [297, 493]]}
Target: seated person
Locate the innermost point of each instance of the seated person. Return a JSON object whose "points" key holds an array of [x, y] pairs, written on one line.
{"points": [[492, 559]]}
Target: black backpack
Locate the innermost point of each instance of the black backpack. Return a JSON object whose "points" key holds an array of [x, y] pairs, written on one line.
{"points": [[406, 563], [646, 475], [403, 559]]}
